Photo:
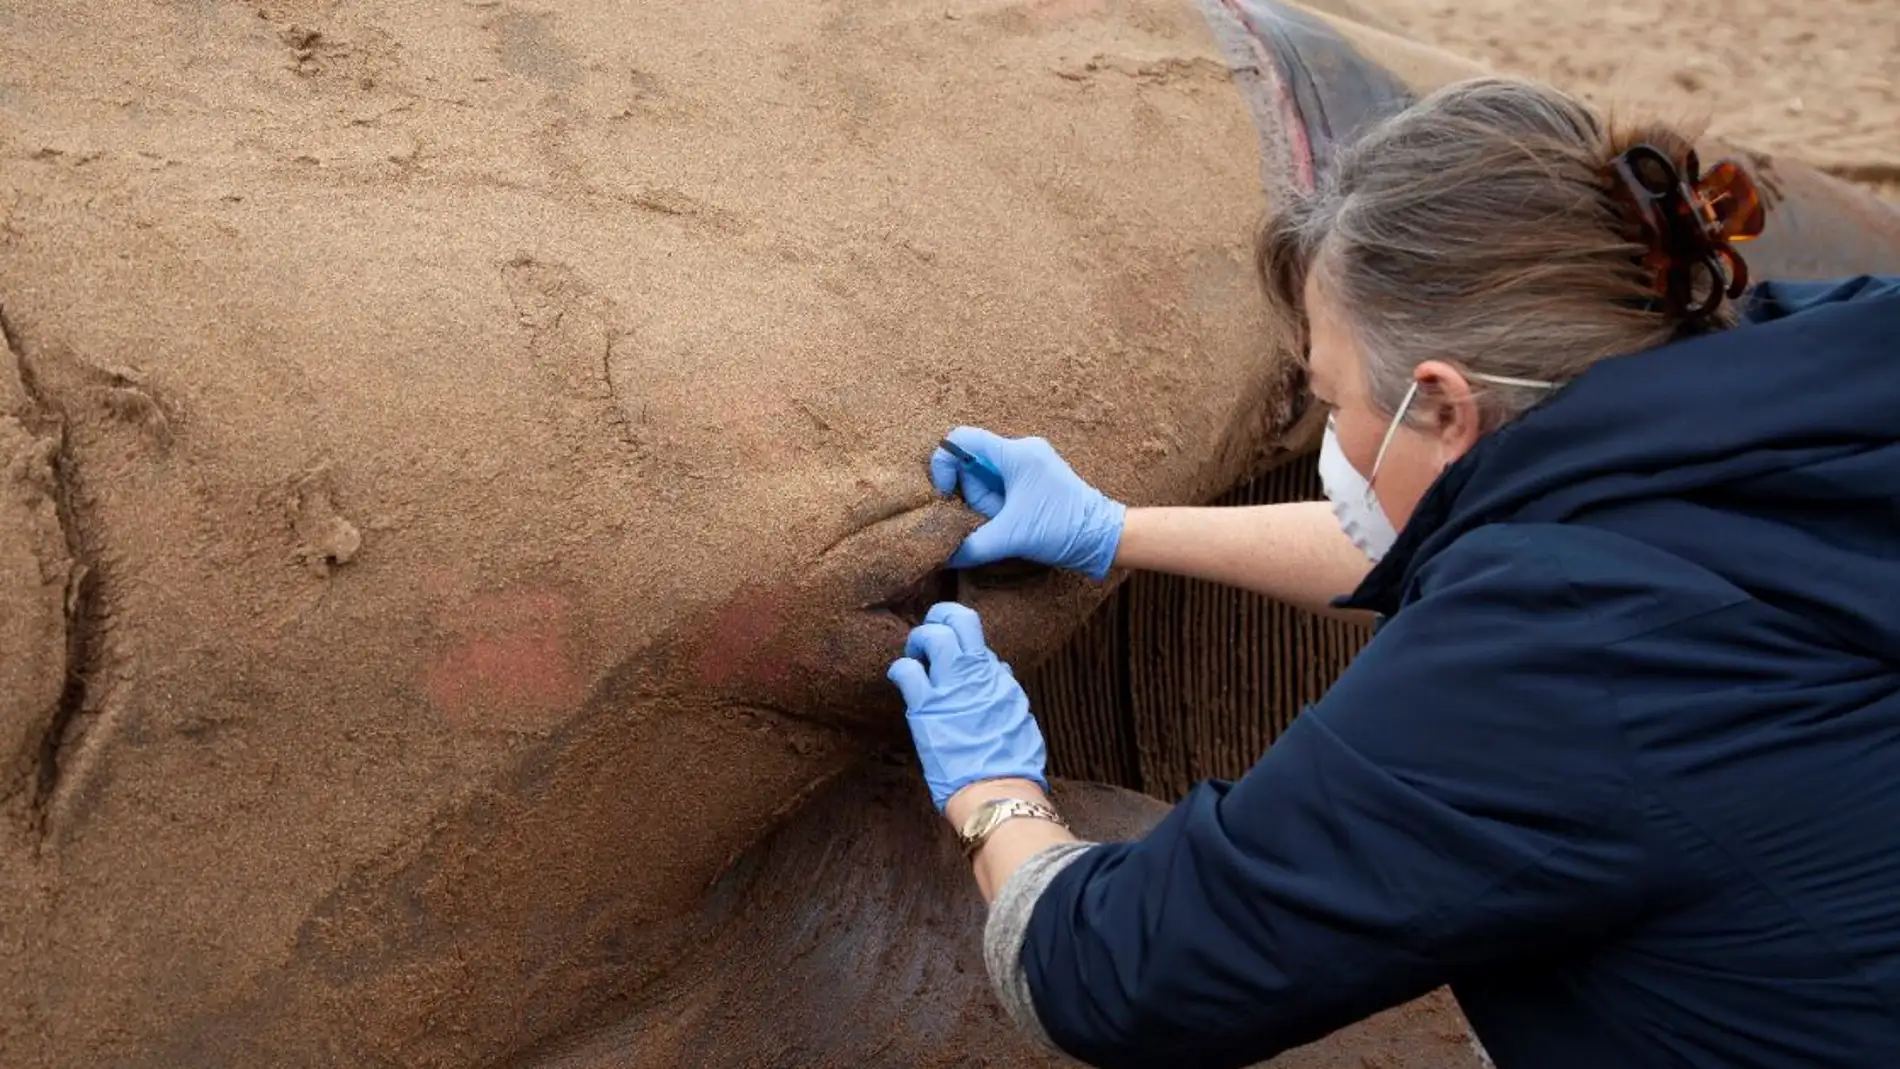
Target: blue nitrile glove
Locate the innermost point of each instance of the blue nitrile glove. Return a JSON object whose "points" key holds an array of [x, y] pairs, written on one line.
{"points": [[1045, 512], [968, 716]]}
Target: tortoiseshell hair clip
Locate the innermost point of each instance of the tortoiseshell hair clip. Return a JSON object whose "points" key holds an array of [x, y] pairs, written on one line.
{"points": [[1690, 220]]}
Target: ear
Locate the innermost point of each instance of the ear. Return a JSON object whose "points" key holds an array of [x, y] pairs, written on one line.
{"points": [[1454, 410]]}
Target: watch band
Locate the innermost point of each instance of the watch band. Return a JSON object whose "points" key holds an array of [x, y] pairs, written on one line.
{"points": [[992, 814]]}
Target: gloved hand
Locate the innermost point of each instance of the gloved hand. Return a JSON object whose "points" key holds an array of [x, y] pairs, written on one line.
{"points": [[968, 716], [1045, 512]]}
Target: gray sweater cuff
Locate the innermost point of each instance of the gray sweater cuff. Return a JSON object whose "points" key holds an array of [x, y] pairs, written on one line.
{"points": [[1007, 926]]}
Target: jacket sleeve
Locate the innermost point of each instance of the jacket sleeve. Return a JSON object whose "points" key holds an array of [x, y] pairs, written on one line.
{"points": [[1461, 798]]}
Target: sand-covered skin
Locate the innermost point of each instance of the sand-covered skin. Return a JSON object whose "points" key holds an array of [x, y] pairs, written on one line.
{"points": [[482, 427]]}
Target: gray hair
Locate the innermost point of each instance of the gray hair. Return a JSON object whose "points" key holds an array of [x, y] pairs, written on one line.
{"points": [[1477, 227]]}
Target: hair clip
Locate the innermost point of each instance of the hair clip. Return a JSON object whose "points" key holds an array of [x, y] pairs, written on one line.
{"points": [[1690, 220]]}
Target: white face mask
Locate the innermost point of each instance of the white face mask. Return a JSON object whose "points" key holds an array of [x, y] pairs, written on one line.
{"points": [[1354, 504]]}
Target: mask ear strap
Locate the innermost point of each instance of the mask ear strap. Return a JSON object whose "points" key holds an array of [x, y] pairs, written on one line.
{"points": [[1506, 380], [1390, 430]]}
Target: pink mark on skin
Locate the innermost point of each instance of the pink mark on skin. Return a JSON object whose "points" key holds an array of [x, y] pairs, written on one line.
{"points": [[1292, 123], [509, 665], [743, 643]]}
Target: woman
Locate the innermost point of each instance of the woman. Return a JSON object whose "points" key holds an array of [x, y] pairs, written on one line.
{"points": [[1621, 763]]}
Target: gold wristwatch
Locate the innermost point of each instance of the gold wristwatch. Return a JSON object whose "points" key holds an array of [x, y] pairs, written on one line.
{"points": [[991, 814]]}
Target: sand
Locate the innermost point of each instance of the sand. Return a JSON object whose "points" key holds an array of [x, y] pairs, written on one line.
{"points": [[1815, 79], [450, 448]]}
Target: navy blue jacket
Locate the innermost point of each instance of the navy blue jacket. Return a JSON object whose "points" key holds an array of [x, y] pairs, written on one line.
{"points": [[1622, 766]]}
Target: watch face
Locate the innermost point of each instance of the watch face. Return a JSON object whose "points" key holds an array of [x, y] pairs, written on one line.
{"points": [[993, 813], [982, 821]]}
